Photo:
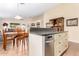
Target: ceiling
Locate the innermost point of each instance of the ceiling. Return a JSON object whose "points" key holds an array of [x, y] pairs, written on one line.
{"points": [[25, 10]]}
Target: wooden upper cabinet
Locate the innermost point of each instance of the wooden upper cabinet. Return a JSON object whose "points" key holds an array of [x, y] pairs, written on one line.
{"points": [[57, 24]]}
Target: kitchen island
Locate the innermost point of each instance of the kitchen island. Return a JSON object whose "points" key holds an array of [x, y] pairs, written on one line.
{"points": [[39, 40]]}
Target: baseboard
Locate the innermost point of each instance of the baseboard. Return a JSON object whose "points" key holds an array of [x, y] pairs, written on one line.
{"points": [[74, 42]]}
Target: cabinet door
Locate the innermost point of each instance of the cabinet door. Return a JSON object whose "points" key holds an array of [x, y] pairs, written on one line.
{"points": [[60, 38], [65, 40], [57, 40], [65, 43], [36, 45], [60, 43]]}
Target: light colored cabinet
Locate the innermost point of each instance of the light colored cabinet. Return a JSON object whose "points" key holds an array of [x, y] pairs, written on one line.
{"points": [[60, 43], [38, 47]]}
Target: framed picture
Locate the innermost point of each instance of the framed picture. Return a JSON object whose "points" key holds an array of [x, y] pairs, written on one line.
{"points": [[14, 25], [33, 24], [38, 24], [72, 22], [47, 25]]}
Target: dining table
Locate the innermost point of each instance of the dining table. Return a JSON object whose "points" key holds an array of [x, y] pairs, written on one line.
{"points": [[15, 35]]}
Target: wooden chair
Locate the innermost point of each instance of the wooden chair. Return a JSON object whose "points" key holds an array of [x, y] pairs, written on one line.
{"points": [[21, 36], [7, 39]]}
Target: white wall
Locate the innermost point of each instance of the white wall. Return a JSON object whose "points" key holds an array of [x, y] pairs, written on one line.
{"points": [[12, 21], [36, 19], [63, 10], [67, 11]]}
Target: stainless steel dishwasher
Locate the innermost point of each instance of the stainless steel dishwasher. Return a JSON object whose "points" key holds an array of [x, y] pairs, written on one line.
{"points": [[49, 45]]}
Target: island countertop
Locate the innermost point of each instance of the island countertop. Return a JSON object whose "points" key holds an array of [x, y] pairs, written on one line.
{"points": [[46, 33]]}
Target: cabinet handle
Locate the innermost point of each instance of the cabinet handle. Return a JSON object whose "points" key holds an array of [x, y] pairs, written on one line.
{"points": [[65, 45], [59, 42], [65, 34], [59, 51], [59, 35], [65, 39]]}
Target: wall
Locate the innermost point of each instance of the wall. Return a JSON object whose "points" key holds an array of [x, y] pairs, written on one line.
{"points": [[67, 11], [7, 20], [36, 19], [26, 21], [63, 10]]}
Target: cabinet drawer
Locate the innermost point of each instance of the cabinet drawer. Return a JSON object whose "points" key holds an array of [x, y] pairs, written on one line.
{"points": [[58, 43], [65, 43], [58, 50], [60, 40], [57, 36], [60, 35]]}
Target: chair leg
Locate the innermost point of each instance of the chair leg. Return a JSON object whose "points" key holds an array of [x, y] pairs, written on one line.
{"points": [[21, 45], [17, 42], [4, 47], [13, 43], [24, 42]]}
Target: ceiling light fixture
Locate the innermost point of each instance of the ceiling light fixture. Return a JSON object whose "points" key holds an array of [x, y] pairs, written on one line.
{"points": [[18, 15]]}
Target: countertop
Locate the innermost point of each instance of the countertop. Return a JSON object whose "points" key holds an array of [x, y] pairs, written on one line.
{"points": [[46, 33]]}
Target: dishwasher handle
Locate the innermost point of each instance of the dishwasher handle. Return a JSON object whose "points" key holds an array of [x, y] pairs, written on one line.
{"points": [[49, 36]]}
